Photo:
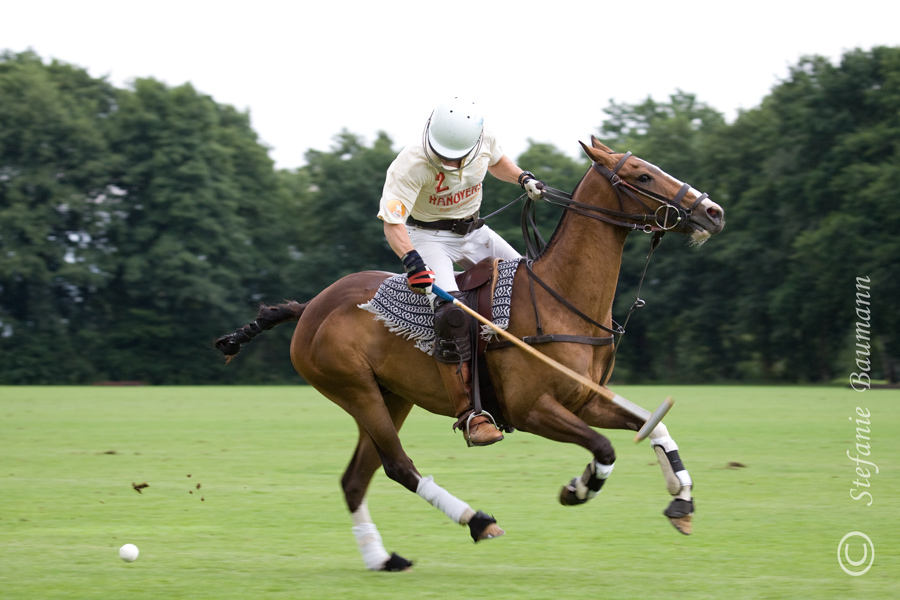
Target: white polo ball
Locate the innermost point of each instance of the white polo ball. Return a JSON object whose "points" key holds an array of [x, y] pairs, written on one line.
{"points": [[129, 552]]}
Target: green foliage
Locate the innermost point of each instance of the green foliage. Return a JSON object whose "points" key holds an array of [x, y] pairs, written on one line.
{"points": [[670, 135], [135, 225], [678, 335], [200, 224], [54, 165]]}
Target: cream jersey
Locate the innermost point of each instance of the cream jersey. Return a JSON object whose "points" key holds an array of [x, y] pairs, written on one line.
{"points": [[415, 187]]}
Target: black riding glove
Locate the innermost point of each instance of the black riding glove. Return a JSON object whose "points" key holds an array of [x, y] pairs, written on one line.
{"points": [[419, 277]]}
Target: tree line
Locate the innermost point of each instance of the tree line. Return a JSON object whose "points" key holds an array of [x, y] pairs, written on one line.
{"points": [[138, 224]]}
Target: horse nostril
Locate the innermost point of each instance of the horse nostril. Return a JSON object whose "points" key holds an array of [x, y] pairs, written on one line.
{"points": [[713, 213]]}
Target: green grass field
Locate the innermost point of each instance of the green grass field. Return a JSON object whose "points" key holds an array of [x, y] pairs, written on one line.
{"points": [[244, 500]]}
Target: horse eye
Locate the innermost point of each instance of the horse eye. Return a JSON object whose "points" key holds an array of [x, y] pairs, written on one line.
{"points": [[644, 178]]}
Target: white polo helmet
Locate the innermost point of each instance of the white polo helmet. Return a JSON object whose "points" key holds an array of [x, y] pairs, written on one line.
{"points": [[455, 128]]}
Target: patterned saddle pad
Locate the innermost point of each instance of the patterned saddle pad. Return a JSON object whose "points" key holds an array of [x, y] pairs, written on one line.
{"points": [[411, 315]]}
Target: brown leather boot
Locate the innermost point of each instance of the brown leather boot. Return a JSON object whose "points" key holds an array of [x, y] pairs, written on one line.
{"points": [[479, 431], [453, 350]]}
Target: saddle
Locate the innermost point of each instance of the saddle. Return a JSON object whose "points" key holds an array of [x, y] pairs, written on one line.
{"points": [[476, 290]]}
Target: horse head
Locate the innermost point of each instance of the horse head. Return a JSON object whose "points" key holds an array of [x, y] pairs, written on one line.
{"points": [[662, 202]]}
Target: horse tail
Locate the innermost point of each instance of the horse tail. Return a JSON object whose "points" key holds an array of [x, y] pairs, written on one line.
{"points": [[268, 317]]}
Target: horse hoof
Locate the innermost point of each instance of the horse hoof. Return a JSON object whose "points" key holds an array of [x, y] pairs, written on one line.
{"points": [[490, 532], [682, 524], [680, 512], [484, 527], [397, 563], [568, 495]]}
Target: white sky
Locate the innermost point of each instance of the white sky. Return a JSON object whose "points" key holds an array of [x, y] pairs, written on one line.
{"points": [[540, 70]]}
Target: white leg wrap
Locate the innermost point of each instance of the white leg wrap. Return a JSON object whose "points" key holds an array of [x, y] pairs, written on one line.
{"points": [[368, 539], [442, 500], [601, 471], [677, 481], [672, 483]]}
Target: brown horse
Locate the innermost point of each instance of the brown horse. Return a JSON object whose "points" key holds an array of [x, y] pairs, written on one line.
{"points": [[377, 376]]}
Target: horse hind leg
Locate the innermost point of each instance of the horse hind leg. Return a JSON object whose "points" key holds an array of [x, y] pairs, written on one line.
{"points": [[355, 483], [379, 445]]}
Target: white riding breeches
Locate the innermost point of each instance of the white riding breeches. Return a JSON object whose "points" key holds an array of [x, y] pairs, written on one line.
{"points": [[441, 249]]}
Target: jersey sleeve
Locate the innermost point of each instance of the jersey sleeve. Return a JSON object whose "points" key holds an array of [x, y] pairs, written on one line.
{"points": [[401, 190], [493, 146]]}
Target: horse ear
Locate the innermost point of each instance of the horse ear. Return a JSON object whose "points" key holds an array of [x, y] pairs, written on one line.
{"points": [[596, 155], [599, 145], [587, 149]]}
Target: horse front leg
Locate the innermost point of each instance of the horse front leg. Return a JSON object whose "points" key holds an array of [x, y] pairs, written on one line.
{"points": [[549, 419], [597, 412], [587, 485], [678, 481]]}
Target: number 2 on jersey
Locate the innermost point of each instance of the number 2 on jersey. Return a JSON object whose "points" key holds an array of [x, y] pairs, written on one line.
{"points": [[440, 187]]}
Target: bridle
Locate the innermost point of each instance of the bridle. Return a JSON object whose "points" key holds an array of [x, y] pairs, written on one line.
{"points": [[666, 217]]}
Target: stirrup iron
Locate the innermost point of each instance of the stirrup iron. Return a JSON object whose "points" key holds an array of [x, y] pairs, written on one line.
{"points": [[469, 420]]}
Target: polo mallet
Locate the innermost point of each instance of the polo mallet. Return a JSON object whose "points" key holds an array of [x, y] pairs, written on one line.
{"points": [[650, 420]]}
